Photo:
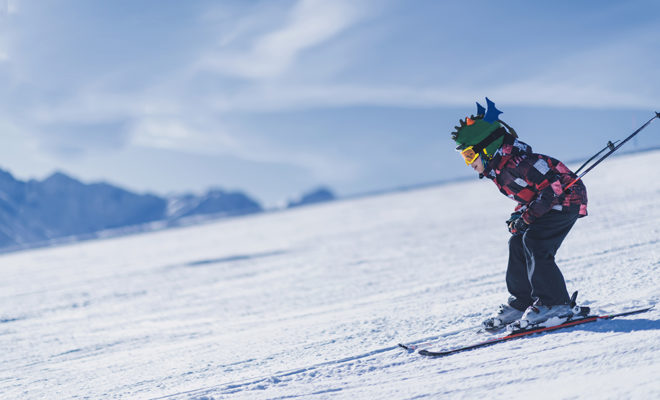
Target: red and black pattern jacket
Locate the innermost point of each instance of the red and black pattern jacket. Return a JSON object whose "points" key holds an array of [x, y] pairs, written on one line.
{"points": [[535, 181]]}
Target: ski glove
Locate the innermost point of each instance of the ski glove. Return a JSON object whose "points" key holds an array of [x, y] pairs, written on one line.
{"points": [[518, 227], [514, 216], [516, 224]]}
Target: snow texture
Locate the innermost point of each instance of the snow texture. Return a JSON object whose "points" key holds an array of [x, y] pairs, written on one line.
{"points": [[311, 302]]}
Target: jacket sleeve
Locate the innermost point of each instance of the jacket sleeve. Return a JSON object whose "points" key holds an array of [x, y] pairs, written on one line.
{"points": [[547, 185]]}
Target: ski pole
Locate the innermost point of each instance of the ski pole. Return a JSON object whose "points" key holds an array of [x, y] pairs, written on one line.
{"points": [[609, 145], [612, 150]]}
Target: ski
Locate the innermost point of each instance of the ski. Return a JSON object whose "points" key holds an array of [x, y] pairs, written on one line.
{"points": [[429, 341], [530, 331], [481, 329]]}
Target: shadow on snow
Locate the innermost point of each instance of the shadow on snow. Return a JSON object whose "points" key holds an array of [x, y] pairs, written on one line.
{"points": [[621, 325], [238, 257]]}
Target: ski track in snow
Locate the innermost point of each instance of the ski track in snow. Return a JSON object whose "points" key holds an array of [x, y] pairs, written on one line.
{"points": [[311, 303]]}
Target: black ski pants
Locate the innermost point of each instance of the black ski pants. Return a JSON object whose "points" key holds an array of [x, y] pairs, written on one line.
{"points": [[532, 272]]}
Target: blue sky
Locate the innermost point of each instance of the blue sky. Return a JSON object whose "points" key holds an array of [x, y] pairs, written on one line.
{"points": [[277, 97]]}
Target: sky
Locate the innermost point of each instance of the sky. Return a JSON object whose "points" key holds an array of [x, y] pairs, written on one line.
{"points": [[275, 98]]}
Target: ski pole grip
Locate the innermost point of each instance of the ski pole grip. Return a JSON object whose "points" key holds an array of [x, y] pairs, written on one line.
{"points": [[567, 189]]}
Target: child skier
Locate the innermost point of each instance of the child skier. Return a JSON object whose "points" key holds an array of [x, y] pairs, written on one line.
{"points": [[544, 215]]}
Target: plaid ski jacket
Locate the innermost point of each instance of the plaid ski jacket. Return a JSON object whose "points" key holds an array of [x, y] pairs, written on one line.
{"points": [[535, 181]]}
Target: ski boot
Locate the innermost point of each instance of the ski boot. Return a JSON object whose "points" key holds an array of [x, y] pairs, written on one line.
{"points": [[502, 317], [541, 315]]}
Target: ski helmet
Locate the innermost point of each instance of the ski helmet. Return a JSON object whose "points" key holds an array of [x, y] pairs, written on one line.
{"points": [[484, 132]]}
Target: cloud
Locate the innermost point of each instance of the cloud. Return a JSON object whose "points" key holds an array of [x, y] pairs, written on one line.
{"points": [[66, 140], [5, 11], [183, 108], [289, 96], [174, 112], [532, 92], [209, 137], [311, 23], [181, 134], [607, 75], [615, 74], [611, 74], [552, 93], [12, 6]]}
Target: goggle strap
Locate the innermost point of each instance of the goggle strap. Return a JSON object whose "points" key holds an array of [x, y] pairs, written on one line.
{"points": [[496, 134], [512, 131]]}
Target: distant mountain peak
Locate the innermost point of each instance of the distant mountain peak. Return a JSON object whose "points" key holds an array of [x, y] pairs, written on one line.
{"points": [[60, 205], [318, 195], [61, 178]]}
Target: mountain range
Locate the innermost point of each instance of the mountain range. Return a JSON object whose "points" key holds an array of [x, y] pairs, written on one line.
{"points": [[58, 207]]}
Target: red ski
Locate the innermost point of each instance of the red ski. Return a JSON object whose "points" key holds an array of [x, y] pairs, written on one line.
{"points": [[530, 331]]}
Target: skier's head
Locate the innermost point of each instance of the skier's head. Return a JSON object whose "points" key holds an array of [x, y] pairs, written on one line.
{"points": [[479, 164], [480, 136]]}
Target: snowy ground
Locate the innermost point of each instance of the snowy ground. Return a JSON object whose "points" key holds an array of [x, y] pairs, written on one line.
{"points": [[310, 303]]}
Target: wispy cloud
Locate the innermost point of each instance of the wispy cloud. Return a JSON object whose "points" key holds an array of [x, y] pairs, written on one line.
{"points": [[6, 9], [176, 113], [615, 74], [181, 134], [532, 92], [246, 61], [179, 115], [603, 76], [310, 23]]}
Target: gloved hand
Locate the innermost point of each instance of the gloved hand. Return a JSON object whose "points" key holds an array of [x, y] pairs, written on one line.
{"points": [[516, 224], [514, 216], [518, 227]]}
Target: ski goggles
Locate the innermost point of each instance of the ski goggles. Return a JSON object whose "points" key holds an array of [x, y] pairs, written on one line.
{"points": [[469, 155]]}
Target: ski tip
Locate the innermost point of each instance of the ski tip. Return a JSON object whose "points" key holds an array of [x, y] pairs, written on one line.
{"points": [[647, 308], [410, 348], [657, 115]]}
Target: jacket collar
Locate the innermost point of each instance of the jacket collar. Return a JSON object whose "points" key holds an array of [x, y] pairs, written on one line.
{"points": [[511, 147]]}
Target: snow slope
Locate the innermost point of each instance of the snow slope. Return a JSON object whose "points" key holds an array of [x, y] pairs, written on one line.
{"points": [[311, 302]]}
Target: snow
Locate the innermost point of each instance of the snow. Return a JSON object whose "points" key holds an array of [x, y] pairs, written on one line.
{"points": [[311, 303]]}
